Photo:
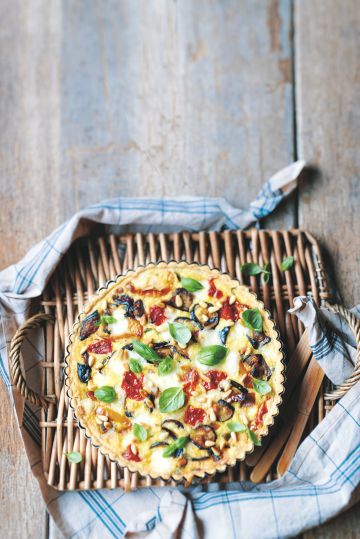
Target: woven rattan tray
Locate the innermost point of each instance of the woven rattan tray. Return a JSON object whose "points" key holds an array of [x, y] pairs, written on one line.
{"points": [[92, 261]]}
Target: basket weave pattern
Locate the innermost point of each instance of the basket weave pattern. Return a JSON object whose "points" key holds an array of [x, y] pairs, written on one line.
{"points": [[91, 262]]}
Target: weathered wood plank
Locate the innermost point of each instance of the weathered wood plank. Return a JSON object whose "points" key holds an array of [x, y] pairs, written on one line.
{"points": [[327, 94], [327, 66]]}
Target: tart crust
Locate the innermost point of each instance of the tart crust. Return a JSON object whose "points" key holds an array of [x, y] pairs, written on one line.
{"points": [[115, 437]]}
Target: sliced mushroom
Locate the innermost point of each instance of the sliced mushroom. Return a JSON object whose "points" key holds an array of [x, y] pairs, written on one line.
{"points": [[133, 309], [173, 427], [203, 434], [258, 339], [182, 299], [258, 366], [164, 349], [84, 371], [223, 333], [203, 318], [223, 410], [159, 444], [239, 392], [89, 325]]}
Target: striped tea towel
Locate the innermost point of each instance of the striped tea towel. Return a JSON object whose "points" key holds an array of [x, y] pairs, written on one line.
{"points": [[323, 477]]}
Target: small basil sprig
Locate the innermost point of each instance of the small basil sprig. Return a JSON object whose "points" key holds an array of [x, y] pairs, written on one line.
{"points": [[191, 285], [287, 263], [135, 366], [180, 332], [146, 352], [254, 269], [105, 394], [261, 386], [252, 319], [140, 432], [166, 366], [74, 457], [211, 355], [233, 426], [106, 319], [173, 448], [172, 399]]}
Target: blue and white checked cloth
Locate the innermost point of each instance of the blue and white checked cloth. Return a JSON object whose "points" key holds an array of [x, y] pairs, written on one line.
{"points": [[325, 472]]}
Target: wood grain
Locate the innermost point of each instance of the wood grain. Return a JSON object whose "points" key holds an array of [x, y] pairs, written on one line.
{"points": [[327, 67]]}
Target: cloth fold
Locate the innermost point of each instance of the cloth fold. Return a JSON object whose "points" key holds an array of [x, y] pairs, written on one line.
{"points": [[324, 474]]}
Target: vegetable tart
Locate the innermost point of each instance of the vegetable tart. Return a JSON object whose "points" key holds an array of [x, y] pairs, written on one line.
{"points": [[175, 370]]}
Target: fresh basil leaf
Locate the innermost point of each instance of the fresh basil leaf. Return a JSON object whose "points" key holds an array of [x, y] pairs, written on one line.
{"points": [[172, 399], [135, 366], [105, 394], [233, 426], [108, 319], [251, 269], [180, 332], [253, 437], [146, 352], [173, 448], [253, 319], [74, 457], [267, 276], [191, 285], [166, 366], [287, 263], [261, 386], [211, 355], [140, 432]]}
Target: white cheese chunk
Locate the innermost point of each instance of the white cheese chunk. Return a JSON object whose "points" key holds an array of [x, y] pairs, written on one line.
{"points": [[161, 464]]}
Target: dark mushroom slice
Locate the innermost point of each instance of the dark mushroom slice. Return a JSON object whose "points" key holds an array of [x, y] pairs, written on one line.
{"points": [[223, 333], [89, 325], [164, 349], [173, 427], [239, 392], [198, 312], [137, 309], [184, 302], [202, 434], [159, 444], [258, 339], [249, 400], [215, 453], [149, 402], [84, 372], [258, 366], [193, 452], [125, 300], [223, 410]]}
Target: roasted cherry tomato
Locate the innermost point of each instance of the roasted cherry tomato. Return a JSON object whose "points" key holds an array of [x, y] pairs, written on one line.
{"points": [[133, 386], [215, 378], [129, 455], [191, 379], [193, 416], [100, 347], [230, 312], [157, 315], [213, 291]]}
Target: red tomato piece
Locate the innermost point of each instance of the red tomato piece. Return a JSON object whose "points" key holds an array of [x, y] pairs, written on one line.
{"points": [[215, 378], [193, 416], [230, 312], [157, 315], [262, 411], [191, 379], [133, 386], [100, 347], [248, 381], [213, 291], [129, 455], [91, 395]]}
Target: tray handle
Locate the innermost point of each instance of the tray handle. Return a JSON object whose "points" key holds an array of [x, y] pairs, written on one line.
{"points": [[14, 360], [354, 325]]}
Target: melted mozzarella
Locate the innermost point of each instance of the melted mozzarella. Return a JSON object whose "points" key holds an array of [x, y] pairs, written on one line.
{"points": [[121, 326], [163, 382], [161, 464], [232, 364], [146, 419], [208, 337]]}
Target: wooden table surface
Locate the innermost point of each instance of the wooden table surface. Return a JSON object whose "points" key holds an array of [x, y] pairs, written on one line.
{"points": [[157, 97]]}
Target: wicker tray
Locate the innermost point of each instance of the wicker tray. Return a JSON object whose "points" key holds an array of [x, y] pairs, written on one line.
{"points": [[91, 262]]}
